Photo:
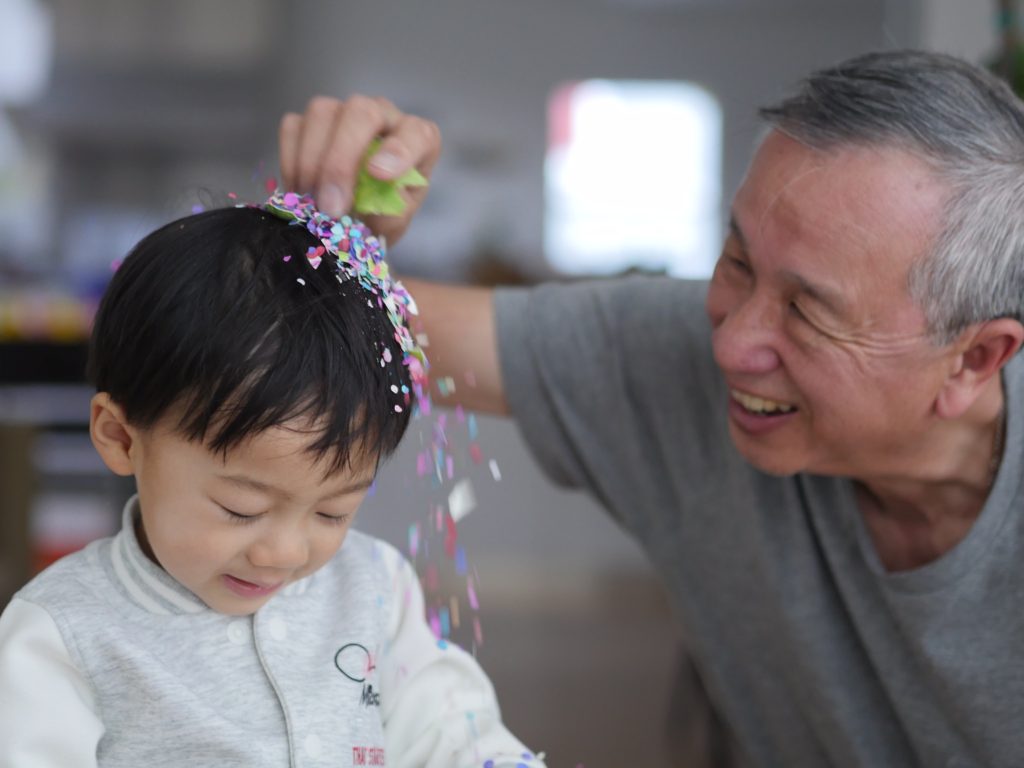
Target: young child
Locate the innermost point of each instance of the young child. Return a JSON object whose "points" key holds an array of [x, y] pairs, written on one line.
{"points": [[252, 366]]}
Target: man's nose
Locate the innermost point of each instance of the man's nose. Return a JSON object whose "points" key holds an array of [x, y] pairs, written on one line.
{"points": [[745, 338]]}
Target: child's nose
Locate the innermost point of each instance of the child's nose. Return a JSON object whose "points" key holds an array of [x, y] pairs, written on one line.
{"points": [[280, 549]]}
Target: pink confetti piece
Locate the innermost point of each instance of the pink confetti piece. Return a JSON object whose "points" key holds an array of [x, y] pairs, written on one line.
{"points": [[387, 355], [471, 594], [421, 464], [116, 265], [478, 631], [450, 466], [270, 185], [232, 196], [286, 257], [435, 624], [476, 453], [398, 409], [451, 537], [460, 414]]}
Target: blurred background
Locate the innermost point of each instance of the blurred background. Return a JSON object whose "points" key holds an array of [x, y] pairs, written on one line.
{"points": [[119, 115]]}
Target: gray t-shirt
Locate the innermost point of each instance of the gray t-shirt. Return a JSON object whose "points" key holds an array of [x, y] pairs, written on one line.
{"points": [[812, 653]]}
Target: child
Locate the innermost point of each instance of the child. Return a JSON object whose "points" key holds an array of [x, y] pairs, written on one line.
{"points": [[253, 366]]}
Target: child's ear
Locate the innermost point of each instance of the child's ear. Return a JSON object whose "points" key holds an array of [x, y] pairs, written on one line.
{"points": [[983, 350], [111, 434]]}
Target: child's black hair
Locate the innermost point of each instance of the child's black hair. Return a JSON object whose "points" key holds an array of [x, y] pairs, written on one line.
{"points": [[206, 317]]}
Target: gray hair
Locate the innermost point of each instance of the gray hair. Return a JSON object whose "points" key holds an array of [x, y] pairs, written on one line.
{"points": [[969, 127]]}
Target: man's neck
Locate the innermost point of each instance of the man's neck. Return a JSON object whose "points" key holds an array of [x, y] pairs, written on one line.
{"points": [[917, 517]]}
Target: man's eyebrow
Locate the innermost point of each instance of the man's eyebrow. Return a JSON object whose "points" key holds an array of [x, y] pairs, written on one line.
{"points": [[251, 483], [828, 298]]}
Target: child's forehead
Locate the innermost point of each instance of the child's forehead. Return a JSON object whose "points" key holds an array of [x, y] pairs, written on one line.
{"points": [[282, 456]]}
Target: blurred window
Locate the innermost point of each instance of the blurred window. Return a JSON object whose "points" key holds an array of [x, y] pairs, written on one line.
{"points": [[632, 178]]}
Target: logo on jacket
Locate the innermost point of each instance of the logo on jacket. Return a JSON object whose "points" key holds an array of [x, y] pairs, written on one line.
{"points": [[356, 663]]}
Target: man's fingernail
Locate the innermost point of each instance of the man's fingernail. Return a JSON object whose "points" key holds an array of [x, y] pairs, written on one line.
{"points": [[332, 200], [387, 163]]}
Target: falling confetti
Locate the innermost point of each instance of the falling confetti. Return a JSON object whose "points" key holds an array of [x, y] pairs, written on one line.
{"points": [[461, 500]]}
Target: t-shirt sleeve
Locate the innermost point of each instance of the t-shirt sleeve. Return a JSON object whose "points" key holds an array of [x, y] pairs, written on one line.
{"points": [[439, 708], [613, 386], [48, 714]]}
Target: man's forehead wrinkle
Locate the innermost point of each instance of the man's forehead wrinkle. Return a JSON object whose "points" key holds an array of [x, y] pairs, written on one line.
{"points": [[777, 198]]}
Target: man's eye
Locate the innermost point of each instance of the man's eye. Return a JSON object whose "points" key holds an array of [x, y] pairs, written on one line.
{"points": [[737, 264]]}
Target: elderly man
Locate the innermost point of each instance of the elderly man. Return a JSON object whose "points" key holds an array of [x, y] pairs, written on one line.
{"points": [[820, 449]]}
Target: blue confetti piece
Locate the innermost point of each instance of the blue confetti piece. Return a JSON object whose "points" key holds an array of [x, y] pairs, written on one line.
{"points": [[446, 622], [442, 644], [460, 561], [471, 425]]}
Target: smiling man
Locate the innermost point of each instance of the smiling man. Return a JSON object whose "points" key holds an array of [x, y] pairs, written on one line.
{"points": [[820, 449]]}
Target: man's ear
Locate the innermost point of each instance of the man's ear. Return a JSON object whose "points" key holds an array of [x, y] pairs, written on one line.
{"points": [[111, 434], [982, 351]]}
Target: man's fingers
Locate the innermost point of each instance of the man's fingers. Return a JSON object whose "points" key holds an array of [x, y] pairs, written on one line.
{"points": [[362, 119], [318, 123], [413, 142], [288, 134]]}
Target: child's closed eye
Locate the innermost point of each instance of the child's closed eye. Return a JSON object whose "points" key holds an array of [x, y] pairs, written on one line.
{"points": [[332, 519], [238, 517]]}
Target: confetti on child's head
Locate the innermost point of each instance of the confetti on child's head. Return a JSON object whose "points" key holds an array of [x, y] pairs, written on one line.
{"points": [[359, 257]]}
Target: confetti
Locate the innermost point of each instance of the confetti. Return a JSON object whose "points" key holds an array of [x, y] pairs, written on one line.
{"points": [[359, 257], [414, 540], [454, 603], [471, 594], [495, 472], [461, 500], [300, 281], [475, 453], [287, 257], [197, 208], [446, 623]]}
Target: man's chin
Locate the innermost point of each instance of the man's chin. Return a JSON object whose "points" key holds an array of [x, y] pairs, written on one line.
{"points": [[770, 462]]}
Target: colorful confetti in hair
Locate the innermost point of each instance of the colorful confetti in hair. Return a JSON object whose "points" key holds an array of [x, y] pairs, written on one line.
{"points": [[359, 256]]}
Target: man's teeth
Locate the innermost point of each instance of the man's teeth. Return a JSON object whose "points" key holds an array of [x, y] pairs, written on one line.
{"points": [[759, 404]]}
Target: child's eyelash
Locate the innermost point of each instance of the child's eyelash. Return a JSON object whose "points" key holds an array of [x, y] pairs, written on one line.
{"points": [[235, 517], [332, 519]]}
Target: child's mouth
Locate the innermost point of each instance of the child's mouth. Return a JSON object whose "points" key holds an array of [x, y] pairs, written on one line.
{"points": [[245, 588]]}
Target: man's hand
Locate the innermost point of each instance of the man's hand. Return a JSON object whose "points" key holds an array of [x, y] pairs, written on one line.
{"points": [[321, 151]]}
